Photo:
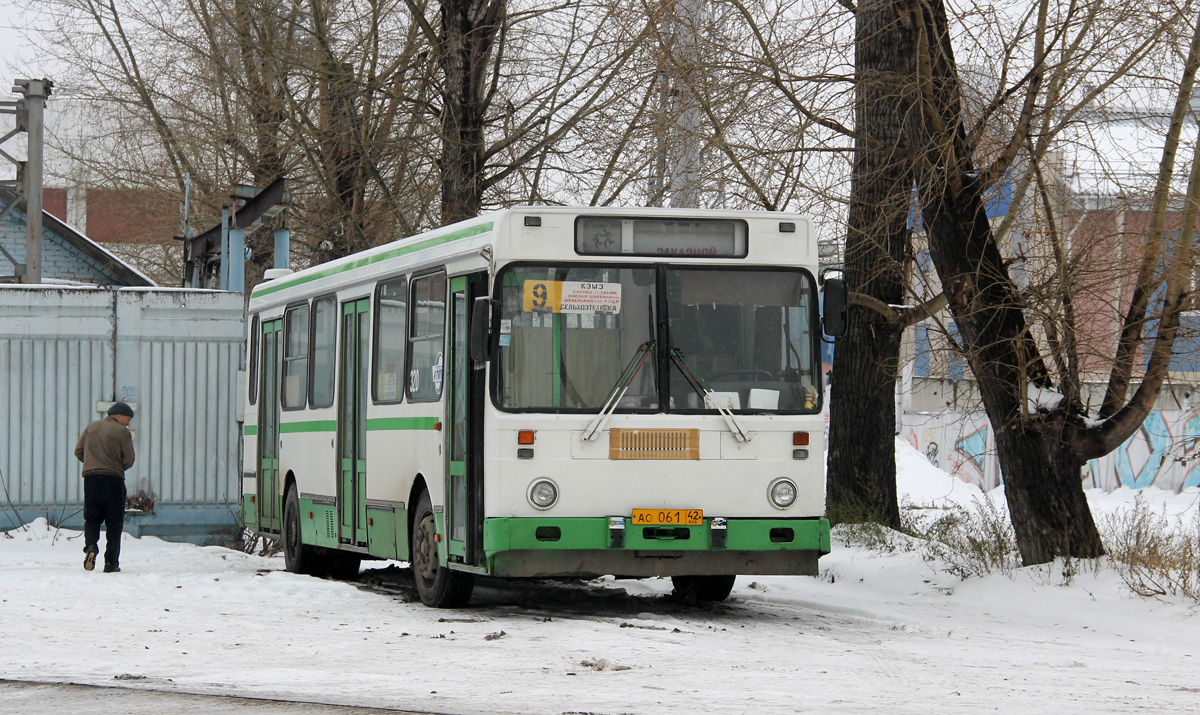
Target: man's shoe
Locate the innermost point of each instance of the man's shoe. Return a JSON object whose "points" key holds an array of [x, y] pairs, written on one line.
{"points": [[111, 568], [89, 561]]}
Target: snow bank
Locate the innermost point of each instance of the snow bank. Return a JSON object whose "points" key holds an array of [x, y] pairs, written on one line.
{"points": [[923, 484]]}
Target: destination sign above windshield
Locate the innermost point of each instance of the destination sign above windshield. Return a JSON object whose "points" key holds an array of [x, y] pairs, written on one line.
{"points": [[669, 238]]}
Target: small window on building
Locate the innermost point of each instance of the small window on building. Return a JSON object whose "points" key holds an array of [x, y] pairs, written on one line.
{"points": [[426, 327], [391, 335], [252, 361], [324, 344], [295, 357]]}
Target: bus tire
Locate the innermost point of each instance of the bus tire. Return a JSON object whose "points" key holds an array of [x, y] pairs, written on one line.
{"points": [[298, 557], [438, 586], [703, 588]]}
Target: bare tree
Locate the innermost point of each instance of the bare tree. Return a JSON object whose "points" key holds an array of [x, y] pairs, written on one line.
{"points": [[861, 485], [331, 94], [1044, 430]]}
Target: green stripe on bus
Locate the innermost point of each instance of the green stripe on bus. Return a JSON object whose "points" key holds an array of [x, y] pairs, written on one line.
{"points": [[401, 423], [369, 260], [310, 426], [249, 430]]}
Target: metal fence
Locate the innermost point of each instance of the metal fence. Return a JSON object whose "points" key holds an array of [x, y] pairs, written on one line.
{"points": [[67, 353]]}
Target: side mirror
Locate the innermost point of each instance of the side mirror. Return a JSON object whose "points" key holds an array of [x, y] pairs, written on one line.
{"points": [[480, 334], [835, 299]]}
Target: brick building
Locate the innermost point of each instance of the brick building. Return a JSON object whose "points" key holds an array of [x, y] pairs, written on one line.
{"points": [[68, 256]]}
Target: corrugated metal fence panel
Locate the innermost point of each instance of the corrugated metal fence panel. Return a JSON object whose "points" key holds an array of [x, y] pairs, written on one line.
{"points": [[174, 353], [56, 361], [178, 353]]}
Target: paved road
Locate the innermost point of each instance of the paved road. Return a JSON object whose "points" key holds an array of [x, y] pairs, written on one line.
{"points": [[17, 698]]}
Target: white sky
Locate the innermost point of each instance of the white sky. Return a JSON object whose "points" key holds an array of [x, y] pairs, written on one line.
{"points": [[876, 633], [19, 57]]}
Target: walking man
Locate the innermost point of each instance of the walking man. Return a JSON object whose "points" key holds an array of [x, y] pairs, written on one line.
{"points": [[106, 450]]}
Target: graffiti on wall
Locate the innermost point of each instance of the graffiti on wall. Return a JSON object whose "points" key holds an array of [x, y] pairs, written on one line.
{"points": [[974, 448], [955, 445], [1140, 458], [1164, 452]]}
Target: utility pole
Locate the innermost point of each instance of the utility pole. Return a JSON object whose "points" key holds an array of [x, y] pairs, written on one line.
{"points": [[30, 114]]}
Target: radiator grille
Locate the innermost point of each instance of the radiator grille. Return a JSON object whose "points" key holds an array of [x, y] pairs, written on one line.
{"points": [[330, 524], [654, 444]]}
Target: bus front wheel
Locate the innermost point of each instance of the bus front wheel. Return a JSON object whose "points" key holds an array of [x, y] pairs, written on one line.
{"points": [[438, 586], [703, 588]]}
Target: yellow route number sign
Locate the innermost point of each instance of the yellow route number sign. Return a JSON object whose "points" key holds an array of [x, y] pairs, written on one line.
{"points": [[572, 297]]}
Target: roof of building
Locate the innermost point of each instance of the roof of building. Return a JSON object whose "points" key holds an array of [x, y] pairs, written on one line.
{"points": [[76, 240]]}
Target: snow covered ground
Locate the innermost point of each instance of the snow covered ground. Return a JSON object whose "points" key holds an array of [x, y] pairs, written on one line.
{"points": [[875, 633]]}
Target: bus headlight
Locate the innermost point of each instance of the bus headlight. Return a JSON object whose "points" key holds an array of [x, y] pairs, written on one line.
{"points": [[782, 493], [543, 494]]}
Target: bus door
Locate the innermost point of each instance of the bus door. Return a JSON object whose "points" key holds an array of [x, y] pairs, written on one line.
{"points": [[464, 414], [352, 423], [268, 426]]}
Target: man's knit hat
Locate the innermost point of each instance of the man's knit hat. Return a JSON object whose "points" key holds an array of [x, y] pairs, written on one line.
{"points": [[120, 408]]}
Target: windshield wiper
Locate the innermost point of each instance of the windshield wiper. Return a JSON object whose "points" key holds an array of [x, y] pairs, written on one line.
{"points": [[702, 388], [618, 391]]}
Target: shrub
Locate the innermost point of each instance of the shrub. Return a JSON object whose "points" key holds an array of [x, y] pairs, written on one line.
{"points": [[253, 543], [872, 537], [972, 541], [1154, 554]]}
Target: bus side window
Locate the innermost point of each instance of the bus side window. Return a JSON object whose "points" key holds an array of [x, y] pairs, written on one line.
{"points": [[426, 328], [295, 358], [391, 336], [252, 360], [324, 343]]}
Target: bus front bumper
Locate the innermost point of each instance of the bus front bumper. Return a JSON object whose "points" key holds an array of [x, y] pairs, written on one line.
{"points": [[587, 547]]}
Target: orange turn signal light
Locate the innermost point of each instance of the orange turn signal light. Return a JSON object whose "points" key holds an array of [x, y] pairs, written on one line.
{"points": [[525, 436], [799, 439]]}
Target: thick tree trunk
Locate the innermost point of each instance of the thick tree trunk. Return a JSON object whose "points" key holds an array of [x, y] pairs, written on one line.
{"points": [[1042, 485], [862, 465], [1042, 473], [469, 29], [342, 157], [861, 476]]}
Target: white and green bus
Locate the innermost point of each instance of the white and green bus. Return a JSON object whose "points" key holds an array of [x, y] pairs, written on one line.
{"points": [[547, 392]]}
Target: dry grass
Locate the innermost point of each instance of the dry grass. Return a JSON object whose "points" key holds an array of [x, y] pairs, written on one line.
{"points": [[974, 541], [1154, 553], [253, 543]]}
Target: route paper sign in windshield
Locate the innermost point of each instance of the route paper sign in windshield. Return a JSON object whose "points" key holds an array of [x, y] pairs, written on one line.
{"points": [[572, 297]]}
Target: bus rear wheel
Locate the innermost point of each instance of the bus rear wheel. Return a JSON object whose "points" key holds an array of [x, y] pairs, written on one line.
{"points": [[298, 557], [438, 586], [703, 588]]}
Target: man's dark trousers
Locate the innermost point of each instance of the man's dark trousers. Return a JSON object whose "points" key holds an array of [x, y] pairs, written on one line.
{"points": [[104, 501]]}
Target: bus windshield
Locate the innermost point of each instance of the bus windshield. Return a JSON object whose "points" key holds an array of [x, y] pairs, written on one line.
{"points": [[739, 338]]}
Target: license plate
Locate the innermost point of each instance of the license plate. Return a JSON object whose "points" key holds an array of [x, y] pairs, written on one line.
{"points": [[680, 517]]}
